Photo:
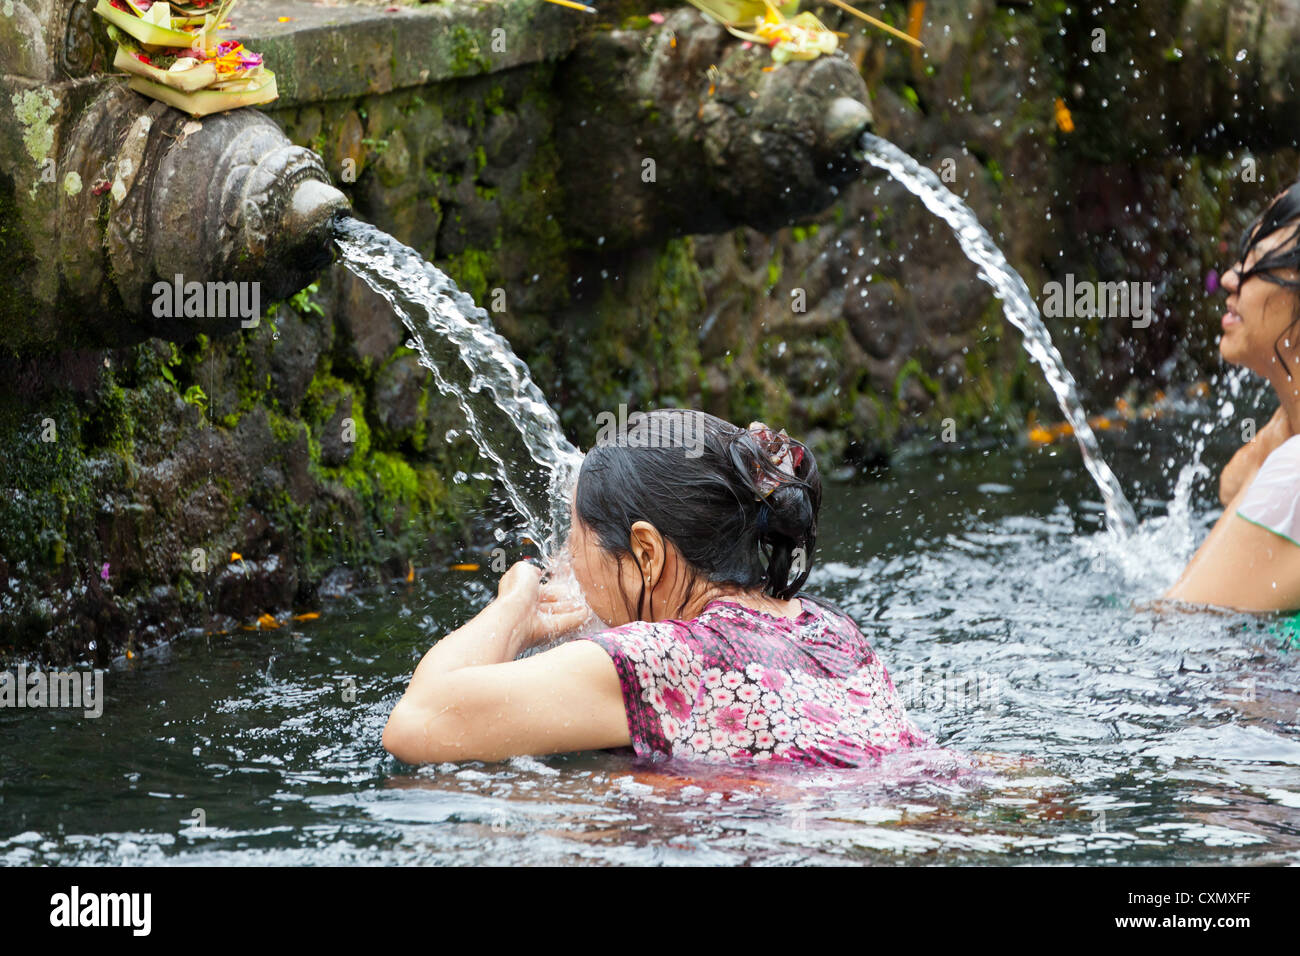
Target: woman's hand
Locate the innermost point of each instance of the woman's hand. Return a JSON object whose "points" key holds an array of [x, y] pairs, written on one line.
{"points": [[547, 611], [521, 581]]}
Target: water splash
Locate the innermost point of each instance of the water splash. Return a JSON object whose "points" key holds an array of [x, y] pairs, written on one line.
{"points": [[1094, 700], [1150, 559], [474, 365], [1018, 306]]}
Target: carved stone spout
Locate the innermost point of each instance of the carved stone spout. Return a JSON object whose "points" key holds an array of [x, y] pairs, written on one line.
{"points": [[684, 130], [112, 203]]}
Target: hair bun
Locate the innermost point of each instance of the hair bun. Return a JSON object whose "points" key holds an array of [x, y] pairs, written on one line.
{"points": [[782, 473], [789, 512]]}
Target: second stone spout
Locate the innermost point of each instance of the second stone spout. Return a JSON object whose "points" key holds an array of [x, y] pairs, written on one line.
{"points": [[680, 129]]}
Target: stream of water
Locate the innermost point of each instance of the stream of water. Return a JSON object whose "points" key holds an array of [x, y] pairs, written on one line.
{"points": [[509, 419], [1018, 306], [505, 412]]}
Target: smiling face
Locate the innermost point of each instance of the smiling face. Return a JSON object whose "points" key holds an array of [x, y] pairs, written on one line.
{"points": [[1260, 313]]}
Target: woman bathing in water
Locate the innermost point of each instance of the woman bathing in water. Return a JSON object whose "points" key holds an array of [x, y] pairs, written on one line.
{"points": [[692, 556], [1251, 559]]}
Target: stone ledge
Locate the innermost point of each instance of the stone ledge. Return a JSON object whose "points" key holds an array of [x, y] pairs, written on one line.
{"points": [[327, 51]]}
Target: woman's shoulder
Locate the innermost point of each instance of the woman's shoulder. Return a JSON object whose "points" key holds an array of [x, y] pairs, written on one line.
{"points": [[728, 621], [1282, 464], [829, 612], [1288, 451], [816, 620], [638, 638], [1272, 500], [722, 626]]}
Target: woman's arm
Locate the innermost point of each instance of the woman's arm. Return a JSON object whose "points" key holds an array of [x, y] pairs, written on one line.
{"points": [[469, 699], [1242, 566]]}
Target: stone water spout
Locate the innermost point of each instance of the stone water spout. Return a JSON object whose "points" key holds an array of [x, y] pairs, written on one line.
{"points": [[734, 139], [104, 194]]}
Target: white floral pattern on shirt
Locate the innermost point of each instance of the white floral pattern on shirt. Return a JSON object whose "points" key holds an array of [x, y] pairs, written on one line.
{"points": [[738, 684]]}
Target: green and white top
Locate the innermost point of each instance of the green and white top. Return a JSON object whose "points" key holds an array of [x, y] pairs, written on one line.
{"points": [[1273, 499]]}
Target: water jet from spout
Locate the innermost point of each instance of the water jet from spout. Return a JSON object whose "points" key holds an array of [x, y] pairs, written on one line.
{"points": [[1018, 306], [505, 412]]}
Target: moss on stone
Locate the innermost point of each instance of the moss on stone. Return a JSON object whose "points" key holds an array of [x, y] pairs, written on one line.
{"points": [[467, 57], [473, 270], [34, 109], [639, 346], [17, 304]]}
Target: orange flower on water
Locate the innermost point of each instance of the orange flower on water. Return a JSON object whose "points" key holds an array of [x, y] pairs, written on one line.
{"points": [[1064, 121]]}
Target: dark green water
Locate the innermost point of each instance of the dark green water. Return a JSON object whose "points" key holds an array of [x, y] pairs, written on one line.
{"points": [[1125, 735]]}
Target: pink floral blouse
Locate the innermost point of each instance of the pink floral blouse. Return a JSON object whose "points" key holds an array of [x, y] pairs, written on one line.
{"points": [[735, 683]]}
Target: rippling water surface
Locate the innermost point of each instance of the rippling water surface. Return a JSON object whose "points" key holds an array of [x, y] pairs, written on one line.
{"points": [[1097, 730]]}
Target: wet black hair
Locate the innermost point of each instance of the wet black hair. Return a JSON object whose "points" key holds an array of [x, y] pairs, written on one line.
{"points": [[703, 494], [1283, 213]]}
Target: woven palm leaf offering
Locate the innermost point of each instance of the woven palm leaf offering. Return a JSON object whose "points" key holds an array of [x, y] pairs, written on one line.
{"points": [[174, 54], [789, 34]]}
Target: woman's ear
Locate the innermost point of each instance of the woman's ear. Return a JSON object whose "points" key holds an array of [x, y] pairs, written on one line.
{"points": [[647, 547]]}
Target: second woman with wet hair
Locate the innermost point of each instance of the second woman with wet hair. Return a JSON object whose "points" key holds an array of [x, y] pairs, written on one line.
{"points": [[1251, 559]]}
